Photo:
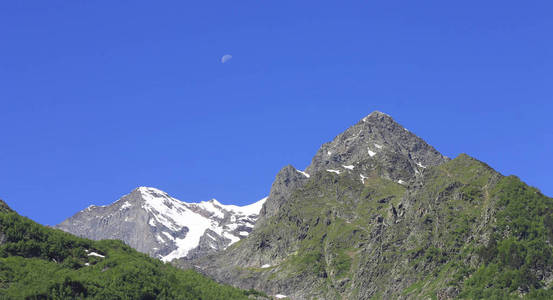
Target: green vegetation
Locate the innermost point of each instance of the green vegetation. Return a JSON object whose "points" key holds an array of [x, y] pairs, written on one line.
{"points": [[325, 222], [465, 232], [519, 250], [37, 262], [462, 203]]}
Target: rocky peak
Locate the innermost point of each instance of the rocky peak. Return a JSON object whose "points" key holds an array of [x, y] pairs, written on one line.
{"points": [[381, 144], [375, 146], [145, 194], [155, 223], [287, 180]]}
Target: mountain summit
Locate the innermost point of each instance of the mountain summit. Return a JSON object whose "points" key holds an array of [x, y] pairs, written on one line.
{"points": [[378, 143], [155, 223], [376, 146]]}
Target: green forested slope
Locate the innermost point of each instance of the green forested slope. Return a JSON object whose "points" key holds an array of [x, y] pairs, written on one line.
{"points": [[37, 262], [518, 256]]}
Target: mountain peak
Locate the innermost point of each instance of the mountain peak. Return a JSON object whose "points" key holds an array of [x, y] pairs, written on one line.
{"points": [[375, 146], [155, 223], [382, 145], [376, 114], [149, 190], [214, 201]]}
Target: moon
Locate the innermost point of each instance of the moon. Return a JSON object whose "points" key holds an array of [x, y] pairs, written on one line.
{"points": [[226, 58]]}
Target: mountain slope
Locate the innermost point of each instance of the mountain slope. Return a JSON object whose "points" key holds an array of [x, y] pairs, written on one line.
{"points": [[37, 262], [402, 223], [152, 222]]}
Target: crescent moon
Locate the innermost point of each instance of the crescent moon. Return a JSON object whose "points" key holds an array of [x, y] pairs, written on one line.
{"points": [[226, 58]]}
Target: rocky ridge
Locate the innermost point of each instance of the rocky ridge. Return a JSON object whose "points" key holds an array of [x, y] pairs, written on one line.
{"points": [[155, 223]]}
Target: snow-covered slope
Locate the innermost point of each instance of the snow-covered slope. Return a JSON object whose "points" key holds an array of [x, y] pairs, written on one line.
{"points": [[155, 223]]}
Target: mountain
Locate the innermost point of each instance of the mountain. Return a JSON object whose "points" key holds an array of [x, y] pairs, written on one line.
{"points": [[374, 147], [152, 222], [37, 262], [380, 214]]}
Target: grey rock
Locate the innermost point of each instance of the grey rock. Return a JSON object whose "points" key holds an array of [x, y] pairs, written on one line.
{"points": [[287, 180], [154, 223], [381, 145]]}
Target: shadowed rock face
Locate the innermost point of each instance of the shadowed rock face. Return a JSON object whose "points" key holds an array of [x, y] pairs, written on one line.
{"points": [[152, 222]]}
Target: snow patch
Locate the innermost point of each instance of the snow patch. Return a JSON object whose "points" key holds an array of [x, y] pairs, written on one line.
{"points": [[334, 171], [175, 215], [210, 236], [247, 210], [125, 205], [371, 154], [303, 173], [96, 254], [363, 178], [350, 167], [231, 227], [421, 165], [401, 182], [280, 296], [329, 153], [378, 146], [244, 233], [214, 207], [168, 235], [233, 239], [160, 239], [265, 266], [90, 207]]}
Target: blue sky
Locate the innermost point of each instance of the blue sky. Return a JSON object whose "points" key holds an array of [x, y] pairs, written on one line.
{"points": [[99, 97]]}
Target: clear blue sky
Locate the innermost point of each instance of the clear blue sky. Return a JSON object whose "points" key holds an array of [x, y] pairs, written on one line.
{"points": [[99, 97]]}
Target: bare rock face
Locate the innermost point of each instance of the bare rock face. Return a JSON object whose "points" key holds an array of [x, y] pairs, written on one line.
{"points": [[152, 222], [287, 180], [380, 144]]}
